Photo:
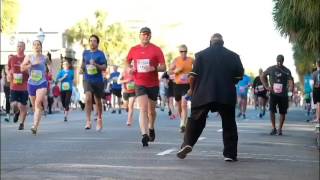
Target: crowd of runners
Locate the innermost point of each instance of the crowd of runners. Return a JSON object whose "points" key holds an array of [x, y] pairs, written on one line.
{"points": [[148, 82]]}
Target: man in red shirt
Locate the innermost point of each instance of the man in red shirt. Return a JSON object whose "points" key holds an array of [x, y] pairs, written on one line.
{"points": [[18, 85], [147, 60]]}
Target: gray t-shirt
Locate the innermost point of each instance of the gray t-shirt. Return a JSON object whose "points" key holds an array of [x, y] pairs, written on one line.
{"points": [[278, 78], [316, 79]]}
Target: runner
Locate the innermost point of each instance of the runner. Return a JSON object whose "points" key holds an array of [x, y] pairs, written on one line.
{"points": [[170, 94], [148, 60], [280, 82], [129, 96], [115, 89], [37, 83], [18, 86], [181, 67], [242, 91], [94, 61], [261, 93], [66, 77], [316, 91], [6, 89], [307, 93], [163, 88]]}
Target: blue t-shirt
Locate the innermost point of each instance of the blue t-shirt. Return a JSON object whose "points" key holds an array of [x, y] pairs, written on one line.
{"points": [[92, 73], [113, 80], [307, 83], [66, 84], [242, 87]]}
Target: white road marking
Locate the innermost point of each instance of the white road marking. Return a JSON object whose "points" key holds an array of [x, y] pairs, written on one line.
{"points": [[220, 130], [168, 151], [201, 138]]}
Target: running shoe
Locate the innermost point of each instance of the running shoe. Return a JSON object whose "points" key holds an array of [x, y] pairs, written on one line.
{"points": [[280, 132], [182, 153], [65, 119], [182, 129], [21, 126], [228, 159], [34, 130], [239, 114], [152, 135], [16, 117], [144, 140], [273, 131]]}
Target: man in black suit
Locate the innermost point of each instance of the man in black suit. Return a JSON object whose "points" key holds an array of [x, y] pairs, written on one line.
{"points": [[212, 86]]}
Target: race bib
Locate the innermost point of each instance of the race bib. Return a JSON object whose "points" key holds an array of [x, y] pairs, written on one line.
{"points": [[36, 75], [91, 69], [277, 88], [242, 89], [143, 65], [115, 80], [184, 78], [131, 85], [260, 88], [17, 78], [65, 86]]}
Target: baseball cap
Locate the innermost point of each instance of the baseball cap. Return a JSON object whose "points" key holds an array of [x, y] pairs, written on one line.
{"points": [[145, 30]]}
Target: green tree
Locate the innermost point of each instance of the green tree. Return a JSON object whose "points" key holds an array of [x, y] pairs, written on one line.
{"points": [[300, 21], [115, 39], [9, 15]]}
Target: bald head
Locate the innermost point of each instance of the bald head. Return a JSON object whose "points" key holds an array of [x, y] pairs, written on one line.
{"points": [[216, 39]]}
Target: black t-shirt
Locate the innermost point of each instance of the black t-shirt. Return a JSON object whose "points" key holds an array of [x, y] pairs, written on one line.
{"points": [[258, 86], [278, 78], [166, 76]]}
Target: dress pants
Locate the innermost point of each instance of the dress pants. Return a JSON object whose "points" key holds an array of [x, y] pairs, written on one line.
{"points": [[197, 122]]}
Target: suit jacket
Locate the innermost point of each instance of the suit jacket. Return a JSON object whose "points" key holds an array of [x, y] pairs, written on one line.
{"points": [[216, 70]]}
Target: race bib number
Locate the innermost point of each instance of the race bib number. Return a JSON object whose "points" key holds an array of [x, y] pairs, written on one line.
{"points": [[131, 85], [143, 65], [184, 78], [17, 78], [260, 88], [277, 88], [65, 86], [91, 69], [36, 75]]}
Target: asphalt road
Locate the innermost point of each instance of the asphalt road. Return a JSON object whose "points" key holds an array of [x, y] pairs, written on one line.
{"points": [[64, 150]]}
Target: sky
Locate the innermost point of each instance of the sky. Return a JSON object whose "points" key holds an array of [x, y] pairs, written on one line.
{"points": [[246, 26]]}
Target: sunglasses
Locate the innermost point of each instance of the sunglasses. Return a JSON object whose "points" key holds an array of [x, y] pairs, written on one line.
{"points": [[183, 51]]}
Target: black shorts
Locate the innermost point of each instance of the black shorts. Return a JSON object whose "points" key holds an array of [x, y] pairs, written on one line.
{"points": [[308, 101], [96, 89], [180, 90], [170, 92], [152, 92], [281, 101], [316, 95], [116, 92], [262, 95], [19, 96], [126, 96]]}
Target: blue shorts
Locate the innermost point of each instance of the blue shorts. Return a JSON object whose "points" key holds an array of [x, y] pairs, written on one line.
{"points": [[32, 89]]}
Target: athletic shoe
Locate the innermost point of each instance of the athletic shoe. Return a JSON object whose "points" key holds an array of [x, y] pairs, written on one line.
{"points": [[182, 153], [144, 140], [21, 126], [152, 135], [273, 131], [182, 129], [16, 117]]}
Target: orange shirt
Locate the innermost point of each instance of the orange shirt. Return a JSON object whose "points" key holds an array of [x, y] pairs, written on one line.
{"points": [[186, 68]]}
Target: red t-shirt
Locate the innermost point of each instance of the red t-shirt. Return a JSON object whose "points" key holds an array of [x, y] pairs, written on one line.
{"points": [[56, 91], [19, 80], [151, 55]]}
